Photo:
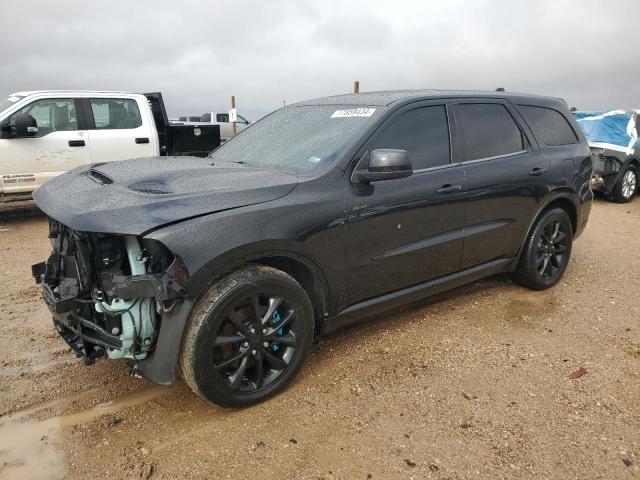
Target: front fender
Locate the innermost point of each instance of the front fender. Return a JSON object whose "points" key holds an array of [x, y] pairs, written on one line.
{"points": [[314, 234]]}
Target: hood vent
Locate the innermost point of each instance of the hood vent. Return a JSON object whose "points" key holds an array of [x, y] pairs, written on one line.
{"points": [[151, 188], [99, 177]]}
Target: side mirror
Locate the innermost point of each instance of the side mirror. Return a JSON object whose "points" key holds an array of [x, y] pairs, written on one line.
{"points": [[25, 126], [387, 164]]}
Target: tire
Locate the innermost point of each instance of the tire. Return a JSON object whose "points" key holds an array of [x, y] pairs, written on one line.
{"points": [[626, 186], [546, 252], [247, 337]]}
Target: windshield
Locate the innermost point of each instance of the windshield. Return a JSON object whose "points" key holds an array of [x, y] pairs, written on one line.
{"points": [[298, 138], [6, 102]]}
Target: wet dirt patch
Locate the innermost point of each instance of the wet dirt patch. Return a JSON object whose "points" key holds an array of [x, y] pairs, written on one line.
{"points": [[28, 448], [524, 310]]}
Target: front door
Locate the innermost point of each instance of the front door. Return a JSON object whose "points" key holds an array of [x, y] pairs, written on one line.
{"points": [[59, 145], [406, 231]]}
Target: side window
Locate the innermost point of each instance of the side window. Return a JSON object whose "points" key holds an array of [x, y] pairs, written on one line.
{"points": [[222, 117], [489, 130], [423, 132], [52, 115], [115, 113], [549, 126], [205, 117], [242, 120]]}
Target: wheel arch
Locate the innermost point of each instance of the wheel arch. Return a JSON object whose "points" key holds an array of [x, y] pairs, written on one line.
{"points": [[633, 161], [567, 205], [562, 200], [307, 274], [299, 266]]}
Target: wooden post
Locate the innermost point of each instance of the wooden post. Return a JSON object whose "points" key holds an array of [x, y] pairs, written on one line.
{"points": [[233, 124], [356, 87]]}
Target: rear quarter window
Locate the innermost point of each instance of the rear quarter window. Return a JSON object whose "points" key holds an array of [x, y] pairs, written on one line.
{"points": [[549, 126]]}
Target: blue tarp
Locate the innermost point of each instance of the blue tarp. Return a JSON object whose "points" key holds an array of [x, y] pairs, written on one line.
{"points": [[613, 129]]}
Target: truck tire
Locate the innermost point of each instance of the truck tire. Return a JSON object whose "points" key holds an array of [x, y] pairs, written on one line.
{"points": [[626, 186], [247, 337], [546, 251]]}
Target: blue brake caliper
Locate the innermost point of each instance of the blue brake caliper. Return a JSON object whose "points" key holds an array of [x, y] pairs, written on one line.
{"points": [[274, 321]]}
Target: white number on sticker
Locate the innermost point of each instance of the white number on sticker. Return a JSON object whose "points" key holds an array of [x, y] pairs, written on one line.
{"points": [[353, 112]]}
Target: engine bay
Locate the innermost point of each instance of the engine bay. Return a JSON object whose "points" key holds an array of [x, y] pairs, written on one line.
{"points": [[107, 293]]}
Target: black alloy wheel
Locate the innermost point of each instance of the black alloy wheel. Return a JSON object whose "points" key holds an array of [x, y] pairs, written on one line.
{"points": [[255, 342], [551, 252], [248, 337], [546, 251]]}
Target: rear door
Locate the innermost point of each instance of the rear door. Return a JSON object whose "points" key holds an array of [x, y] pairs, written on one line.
{"points": [[505, 173], [61, 144], [557, 139], [119, 129], [407, 231]]}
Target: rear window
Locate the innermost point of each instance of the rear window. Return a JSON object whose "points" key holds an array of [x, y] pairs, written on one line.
{"points": [[489, 131], [115, 113], [549, 126]]}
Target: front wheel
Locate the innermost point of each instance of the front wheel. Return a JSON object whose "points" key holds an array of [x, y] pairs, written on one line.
{"points": [[625, 187], [248, 337], [546, 251]]}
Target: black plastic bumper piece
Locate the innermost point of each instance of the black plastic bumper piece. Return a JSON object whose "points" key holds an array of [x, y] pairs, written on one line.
{"points": [[38, 270], [85, 338], [85, 350], [160, 366]]}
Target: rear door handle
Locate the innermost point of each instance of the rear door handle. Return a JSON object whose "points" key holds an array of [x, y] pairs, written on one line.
{"points": [[142, 140], [537, 172], [448, 188], [76, 143]]}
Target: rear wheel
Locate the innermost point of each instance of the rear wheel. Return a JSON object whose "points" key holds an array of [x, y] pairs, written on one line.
{"points": [[625, 187], [248, 337], [546, 252]]}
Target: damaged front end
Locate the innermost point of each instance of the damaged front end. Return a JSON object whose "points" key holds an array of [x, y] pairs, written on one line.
{"points": [[107, 292]]}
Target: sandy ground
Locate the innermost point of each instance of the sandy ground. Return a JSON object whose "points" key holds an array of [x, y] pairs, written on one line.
{"points": [[474, 384]]}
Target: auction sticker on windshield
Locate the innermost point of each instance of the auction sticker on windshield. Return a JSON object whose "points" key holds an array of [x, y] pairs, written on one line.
{"points": [[353, 112]]}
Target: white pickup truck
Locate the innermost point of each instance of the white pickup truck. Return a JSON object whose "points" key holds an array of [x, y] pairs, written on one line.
{"points": [[46, 133]]}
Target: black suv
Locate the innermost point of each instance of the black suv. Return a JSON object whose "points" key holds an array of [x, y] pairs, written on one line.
{"points": [[318, 215]]}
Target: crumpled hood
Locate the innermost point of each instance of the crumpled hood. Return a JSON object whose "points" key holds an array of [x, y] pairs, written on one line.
{"points": [[135, 196]]}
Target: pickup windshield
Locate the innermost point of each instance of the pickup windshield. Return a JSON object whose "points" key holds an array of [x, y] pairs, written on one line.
{"points": [[6, 102], [299, 138]]}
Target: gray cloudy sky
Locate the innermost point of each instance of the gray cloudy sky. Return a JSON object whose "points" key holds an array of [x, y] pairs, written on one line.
{"points": [[198, 53]]}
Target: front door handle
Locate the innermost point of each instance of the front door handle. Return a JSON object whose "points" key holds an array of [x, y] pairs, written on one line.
{"points": [[142, 140], [537, 172], [76, 143], [448, 188]]}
